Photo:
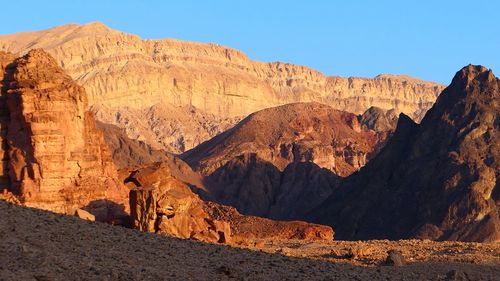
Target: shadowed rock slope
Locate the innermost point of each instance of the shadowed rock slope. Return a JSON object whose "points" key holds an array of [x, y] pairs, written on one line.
{"points": [[125, 76], [437, 180], [127, 152], [284, 161]]}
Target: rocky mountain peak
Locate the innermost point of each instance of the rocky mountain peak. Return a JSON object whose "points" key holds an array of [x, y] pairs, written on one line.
{"points": [[441, 175]]}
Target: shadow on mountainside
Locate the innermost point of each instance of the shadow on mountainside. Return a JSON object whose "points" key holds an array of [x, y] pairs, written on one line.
{"points": [[256, 187]]}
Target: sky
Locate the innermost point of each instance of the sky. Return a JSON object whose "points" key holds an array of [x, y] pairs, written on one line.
{"points": [[426, 39]]}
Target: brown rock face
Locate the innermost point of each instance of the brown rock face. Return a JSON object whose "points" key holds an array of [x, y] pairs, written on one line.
{"points": [[125, 76], [437, 180], [53, 156], [164, 126], [282, 162], [160, 203], [300, 132], [256, 187]]}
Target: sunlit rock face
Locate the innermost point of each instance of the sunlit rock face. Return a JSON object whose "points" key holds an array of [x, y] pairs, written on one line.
{"points": [[149, 87], [284, 161], [162, 203], [54, 158]]}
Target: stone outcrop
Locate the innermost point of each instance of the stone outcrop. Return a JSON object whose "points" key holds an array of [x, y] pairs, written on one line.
{"points": [[163, 204], [437, 180], [124, 76], [53, 156]]}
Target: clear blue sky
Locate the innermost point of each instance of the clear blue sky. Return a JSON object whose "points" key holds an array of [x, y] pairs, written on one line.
{"points": [[429, 39]]}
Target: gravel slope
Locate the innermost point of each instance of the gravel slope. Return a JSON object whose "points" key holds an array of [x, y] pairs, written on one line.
{"points": [[38, 245]]}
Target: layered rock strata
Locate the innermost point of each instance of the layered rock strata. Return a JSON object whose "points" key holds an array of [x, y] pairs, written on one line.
{"points": [[53, 156], [124, 74]]}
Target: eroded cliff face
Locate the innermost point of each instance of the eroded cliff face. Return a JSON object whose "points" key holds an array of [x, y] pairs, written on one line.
{"points": [[120, 70], [53, 156]]}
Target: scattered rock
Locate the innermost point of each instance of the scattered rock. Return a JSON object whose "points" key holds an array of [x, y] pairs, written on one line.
{"points": [[84, 215], [395, 258], [456, 275]]}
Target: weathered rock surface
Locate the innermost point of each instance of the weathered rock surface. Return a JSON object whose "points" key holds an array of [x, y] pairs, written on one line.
{"points": [[257, 187], [164, 126], [53, 156], [161, 203], [300, 132], [283, 162], [84, 215], [378, 120], [125, 76], [437, 180]]}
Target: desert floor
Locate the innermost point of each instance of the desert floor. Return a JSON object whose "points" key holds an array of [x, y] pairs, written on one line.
{"points": [[39, 245]]}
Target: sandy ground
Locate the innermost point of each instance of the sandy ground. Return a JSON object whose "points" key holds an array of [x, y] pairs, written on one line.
{"points": [[38, 245], [374, 252]]}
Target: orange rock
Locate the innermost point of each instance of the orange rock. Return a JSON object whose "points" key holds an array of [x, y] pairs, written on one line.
{"points": [[55, 158], [161, 203], [156, 85]]}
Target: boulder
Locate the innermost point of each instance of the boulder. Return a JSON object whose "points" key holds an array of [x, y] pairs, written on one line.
{"points": [[84, 215]]}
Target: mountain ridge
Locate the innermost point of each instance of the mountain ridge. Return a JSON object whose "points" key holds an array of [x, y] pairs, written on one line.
{"points": [[434, 180], [121, 70]]}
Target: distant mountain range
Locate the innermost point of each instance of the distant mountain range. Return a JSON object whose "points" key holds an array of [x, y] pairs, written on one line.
{"points": [[152, 88]]}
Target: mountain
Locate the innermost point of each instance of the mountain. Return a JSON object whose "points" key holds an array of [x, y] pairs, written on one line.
{"points": [[438, 180], [282, 162], [125, 76], [378, 120], [299, 132], [53, 156]]}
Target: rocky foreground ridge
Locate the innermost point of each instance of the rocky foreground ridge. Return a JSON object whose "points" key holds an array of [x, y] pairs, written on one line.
{"points": [[214, 85], [39, 245]]}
